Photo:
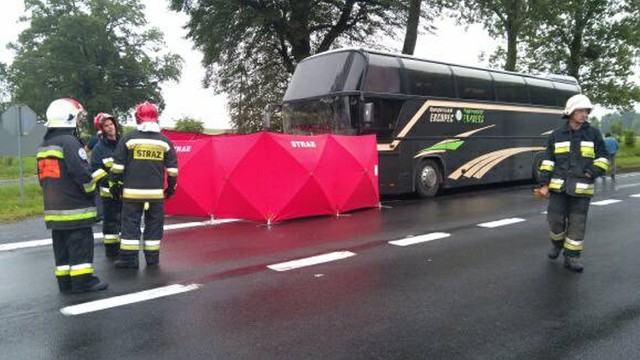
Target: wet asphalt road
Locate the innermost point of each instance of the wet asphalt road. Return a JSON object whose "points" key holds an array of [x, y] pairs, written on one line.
{"points": [[480, 293]]}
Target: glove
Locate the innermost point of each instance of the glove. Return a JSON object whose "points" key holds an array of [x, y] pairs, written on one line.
{"points": [[115, 188], [168, 193]]}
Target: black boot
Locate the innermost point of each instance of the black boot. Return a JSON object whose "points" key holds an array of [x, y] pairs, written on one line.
{"points": [[152, 257], [87, 283], [127, 259], [64, 284], [111, 250], [554, 252], [573, 263]]}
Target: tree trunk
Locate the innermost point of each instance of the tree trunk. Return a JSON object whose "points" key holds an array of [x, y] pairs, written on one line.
{"points": [[413, 21]]}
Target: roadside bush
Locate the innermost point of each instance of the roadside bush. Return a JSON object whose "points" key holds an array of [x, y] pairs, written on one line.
{"points": [[629, 137], [189, 125]]}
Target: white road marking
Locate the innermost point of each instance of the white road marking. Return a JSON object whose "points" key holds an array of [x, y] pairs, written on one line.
{"points": [[314, 260], [99, 235], [627, 186], [419, 239], [127, 299], [502, 222], [605, 202], [634, 195]]}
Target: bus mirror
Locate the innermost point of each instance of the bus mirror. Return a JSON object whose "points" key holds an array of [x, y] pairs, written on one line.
{"points": [[368, 114]]}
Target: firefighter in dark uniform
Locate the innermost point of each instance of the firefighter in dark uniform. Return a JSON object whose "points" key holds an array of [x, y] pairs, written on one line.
{"points": [[101, 162], [68, 193], [574, 159], [138, 177]]}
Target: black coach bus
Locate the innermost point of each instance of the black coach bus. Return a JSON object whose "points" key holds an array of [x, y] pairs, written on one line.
{"points": [[437, 124]]}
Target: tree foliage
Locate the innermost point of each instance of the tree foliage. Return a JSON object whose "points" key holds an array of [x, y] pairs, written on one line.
{"points": [[4, 88], [187, 124], [595, 41], [98, 51], [251, 47]]}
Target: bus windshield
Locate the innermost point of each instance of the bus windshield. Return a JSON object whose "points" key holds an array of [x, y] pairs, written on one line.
{"points": [[319, 116]]}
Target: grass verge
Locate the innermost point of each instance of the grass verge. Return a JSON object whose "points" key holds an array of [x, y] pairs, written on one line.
{"points": [[10, 207]]}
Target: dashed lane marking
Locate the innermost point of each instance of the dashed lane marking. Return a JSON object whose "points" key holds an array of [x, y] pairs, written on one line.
{"points": [[314, 260], [45, 242], [411, 240], [635, 195], [605, 202], [127, 299], [502, 222]]}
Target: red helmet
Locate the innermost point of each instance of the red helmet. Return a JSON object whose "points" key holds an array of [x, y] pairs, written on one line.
{"points": [[146, 112], [99, 119]]}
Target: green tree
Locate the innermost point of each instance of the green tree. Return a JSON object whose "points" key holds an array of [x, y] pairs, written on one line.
{"points": [[98, 51], [5, 95], [188, 124], [251, 47], [595, 41], [503, 19]]}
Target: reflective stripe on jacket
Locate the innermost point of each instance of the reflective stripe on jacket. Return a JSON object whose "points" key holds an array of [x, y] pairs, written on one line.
{"points": [[67, 186], [570, 155]]}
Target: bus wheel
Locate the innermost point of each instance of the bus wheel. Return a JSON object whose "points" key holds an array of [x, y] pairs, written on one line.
{"points": [[428, 179], [537, 174]]}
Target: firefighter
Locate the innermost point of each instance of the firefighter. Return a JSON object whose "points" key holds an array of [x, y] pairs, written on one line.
{"points": [[68, 192], [138, 177], [574, 159], [101, 162]]}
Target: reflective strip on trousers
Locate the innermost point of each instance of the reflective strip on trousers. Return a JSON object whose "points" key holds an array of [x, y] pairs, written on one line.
{"points": [[129, 244], [111, 239], [62, 270], [152, 245], [81, 269], [573, 244]]}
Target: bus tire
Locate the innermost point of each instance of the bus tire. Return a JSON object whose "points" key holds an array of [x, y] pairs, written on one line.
{"points": [[428, 179], [537, 174]]}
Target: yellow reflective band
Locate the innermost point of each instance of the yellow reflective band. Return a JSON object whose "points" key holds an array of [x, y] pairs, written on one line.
{"points": [[561, 147], [143, 194], [129, 247], [547, 165], [81, 272], [90, 187], [152, 244], [117, 168], [556, 184], [159, 144], [556, 237], [584, 189], [111, 239], [587, 152], [108, 162], [602, 163], [70, 217], [62, 270], [50, 151], [104, 192], [98, 174], [572, 244], [172, 171]]}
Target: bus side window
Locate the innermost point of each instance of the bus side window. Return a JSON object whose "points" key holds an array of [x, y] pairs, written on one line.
{"points": [[510, 88], [383, 117], [564, 92], [383, 75], [541, 92], [474, 84]]}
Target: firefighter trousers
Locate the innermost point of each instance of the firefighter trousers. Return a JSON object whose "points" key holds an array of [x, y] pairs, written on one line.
{"points": [[567, 217], [112, 212], [73, 253], [130, 242]]}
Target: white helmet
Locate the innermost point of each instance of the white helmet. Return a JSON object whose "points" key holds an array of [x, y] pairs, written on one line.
{"points": [[576, 102], [64, 113]]}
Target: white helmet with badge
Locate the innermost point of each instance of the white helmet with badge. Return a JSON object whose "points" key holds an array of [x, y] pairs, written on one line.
{"points": [[64, 113], [577, 102]]}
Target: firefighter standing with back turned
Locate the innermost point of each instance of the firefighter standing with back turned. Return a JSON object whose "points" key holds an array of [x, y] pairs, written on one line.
{"points": [[574, 159], [101, 162], [137, 175], [69, 193]]}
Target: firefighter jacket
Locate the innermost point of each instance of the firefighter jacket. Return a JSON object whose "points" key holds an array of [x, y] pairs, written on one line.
{"points": [[570, 155], [101, 162], [140, 160], [67, 186]]}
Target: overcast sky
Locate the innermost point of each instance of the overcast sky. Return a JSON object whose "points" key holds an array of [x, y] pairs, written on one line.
{"points": [[187, 97]]}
